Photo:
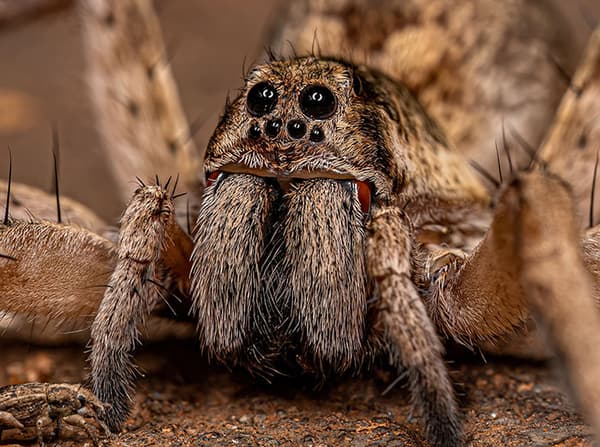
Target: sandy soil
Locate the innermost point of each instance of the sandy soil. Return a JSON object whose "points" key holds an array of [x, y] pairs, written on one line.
{"points": [[181, 401]]}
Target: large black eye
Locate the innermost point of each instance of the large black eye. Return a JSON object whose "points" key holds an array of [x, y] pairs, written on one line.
{"points": [[317, 102], [262, 99]]}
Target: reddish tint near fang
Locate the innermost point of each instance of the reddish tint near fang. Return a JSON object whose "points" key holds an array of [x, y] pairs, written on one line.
{"points": [[364, 196], [212, 178]]}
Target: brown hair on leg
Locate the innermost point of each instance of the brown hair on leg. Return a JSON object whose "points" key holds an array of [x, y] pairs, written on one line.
{"points": [[571, 145], [558, 286], [53, 272], [130, 297], [413, 342], [133, 91]]}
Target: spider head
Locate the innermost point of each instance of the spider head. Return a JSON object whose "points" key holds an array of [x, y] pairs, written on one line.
{"points": [[62, 400], [310, 118]]}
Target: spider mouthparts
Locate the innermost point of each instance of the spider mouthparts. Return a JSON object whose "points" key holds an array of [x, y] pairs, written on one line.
{"points": [[362, 189]]}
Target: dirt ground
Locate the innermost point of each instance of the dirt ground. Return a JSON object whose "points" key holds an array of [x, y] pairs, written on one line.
{"points": [[181, 401]]}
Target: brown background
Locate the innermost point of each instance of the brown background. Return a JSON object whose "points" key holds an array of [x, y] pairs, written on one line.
{"points": [[42, 82]]}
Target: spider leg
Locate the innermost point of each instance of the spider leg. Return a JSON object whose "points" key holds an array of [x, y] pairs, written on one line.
{"points": [[53, 272], [27, 203], [529, 264], [571, 145], [407, 328], [591, 257], [479, 297], [558, 286], [476, 296], [149, 236]]}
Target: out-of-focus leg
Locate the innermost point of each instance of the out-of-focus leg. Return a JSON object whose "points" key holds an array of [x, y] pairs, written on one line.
{"points": [[571, 145], [135, 96]]}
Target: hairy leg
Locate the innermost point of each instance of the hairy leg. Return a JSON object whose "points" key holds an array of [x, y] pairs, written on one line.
{"points": [[474, 297], [479, 297], [558, 287], [54, 272], [529, 264], [591, 257], [139, 280], [499, 306], [27, 202], [407, 328]]}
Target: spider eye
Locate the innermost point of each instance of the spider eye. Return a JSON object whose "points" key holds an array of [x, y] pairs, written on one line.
{"points": [[317, 102], [296, 129], [262, 99], [82, 399]]}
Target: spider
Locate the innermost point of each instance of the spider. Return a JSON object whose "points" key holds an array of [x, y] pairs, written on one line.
{"points": [[336, 222]]}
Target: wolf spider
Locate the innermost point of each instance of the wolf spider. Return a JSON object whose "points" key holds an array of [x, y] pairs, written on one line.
{"points": [[338, 224]]}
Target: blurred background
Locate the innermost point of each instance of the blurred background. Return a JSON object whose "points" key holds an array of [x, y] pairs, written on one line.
{"points": [[42, 83]]}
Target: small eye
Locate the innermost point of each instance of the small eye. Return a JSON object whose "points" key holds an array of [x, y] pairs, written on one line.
{"points": [[254, 131], [357, 84], [316, 134], [272, 127], [296, 129], [262, 99], [82, 399], [317, 102]]}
